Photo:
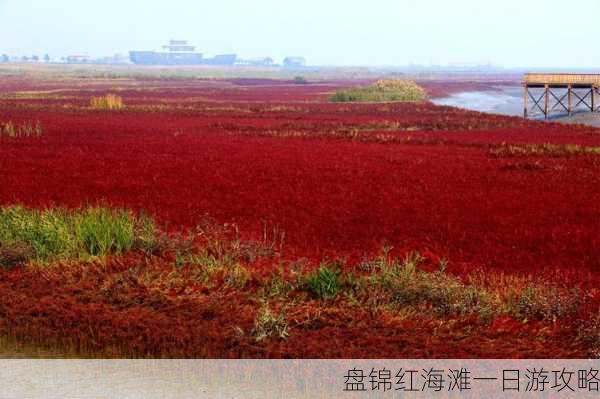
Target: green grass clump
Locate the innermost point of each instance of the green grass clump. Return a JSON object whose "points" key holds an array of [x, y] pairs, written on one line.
{"points": [[382, 91], [402, 283], [100, 231], [325, 283], [60, 234]]}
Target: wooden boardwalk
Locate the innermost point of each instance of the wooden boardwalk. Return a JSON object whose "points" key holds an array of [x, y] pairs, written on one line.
{"points": [[567, 92]]}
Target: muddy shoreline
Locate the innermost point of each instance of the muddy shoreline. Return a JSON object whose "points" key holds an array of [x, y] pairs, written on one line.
{"points": [[509, 101]]}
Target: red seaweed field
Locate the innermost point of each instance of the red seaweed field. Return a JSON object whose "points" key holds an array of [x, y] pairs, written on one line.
{"points": [[299, 191]]}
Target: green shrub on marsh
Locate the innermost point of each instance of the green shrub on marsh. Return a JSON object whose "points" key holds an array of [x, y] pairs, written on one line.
{"points": [[59, 234], [382, 91]]}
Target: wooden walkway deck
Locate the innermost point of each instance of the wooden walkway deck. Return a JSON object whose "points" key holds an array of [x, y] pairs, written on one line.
{"points": [[567, 92]]}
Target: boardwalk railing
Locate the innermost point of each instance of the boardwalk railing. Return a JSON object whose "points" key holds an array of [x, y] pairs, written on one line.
{"points": [[566, 91]]}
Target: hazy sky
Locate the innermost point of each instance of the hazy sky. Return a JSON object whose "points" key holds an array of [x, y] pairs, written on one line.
{"points": [[509, 33]]}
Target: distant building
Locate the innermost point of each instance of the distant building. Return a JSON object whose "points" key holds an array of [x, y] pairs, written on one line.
{"points": [[179, 52], [78, 59], [4, 58], [294, 62]]}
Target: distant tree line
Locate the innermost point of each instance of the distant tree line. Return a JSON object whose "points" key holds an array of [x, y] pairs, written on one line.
{"points": [[33, 58]]}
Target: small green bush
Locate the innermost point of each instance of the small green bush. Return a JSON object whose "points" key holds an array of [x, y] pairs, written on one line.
{"points": [[382, 91], [324, 283]]}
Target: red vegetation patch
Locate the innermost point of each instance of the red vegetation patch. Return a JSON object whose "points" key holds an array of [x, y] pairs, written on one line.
{"points": [[137, 306], [341, 180], [333, 192]]}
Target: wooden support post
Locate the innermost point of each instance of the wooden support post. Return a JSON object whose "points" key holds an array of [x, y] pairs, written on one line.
{"points": [[525, 96], [546, 101], [570, 100], [593, 107]]}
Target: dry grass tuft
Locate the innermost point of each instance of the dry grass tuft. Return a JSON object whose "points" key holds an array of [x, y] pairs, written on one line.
{"points": [[505, 150], [25, 129], [107, 102]]}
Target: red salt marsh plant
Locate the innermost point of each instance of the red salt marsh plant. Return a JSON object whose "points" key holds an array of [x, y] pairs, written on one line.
{"points": [[343, 190], [341, 180], [185, 298]]}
